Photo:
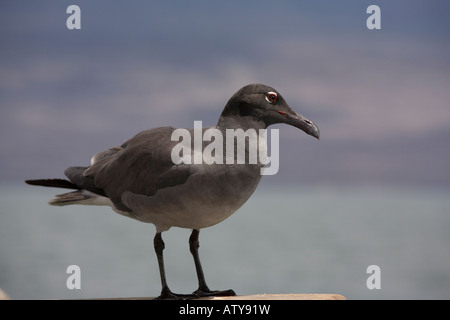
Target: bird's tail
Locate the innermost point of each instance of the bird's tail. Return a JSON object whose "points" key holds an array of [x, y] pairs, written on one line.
{"points": [[60, 199], [54, 183], [79, 196], [74, 197]]}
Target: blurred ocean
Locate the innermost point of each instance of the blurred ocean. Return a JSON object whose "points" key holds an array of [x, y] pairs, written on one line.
{"points": [[284, 240]]}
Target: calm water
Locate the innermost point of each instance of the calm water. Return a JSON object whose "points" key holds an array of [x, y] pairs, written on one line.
{"points": [[282, 241]]}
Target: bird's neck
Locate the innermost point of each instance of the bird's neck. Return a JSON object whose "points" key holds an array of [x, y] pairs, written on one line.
{"points": [[244, 123]]}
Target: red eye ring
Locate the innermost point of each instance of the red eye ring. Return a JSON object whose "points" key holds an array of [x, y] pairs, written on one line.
{"points": [[271, 97]]}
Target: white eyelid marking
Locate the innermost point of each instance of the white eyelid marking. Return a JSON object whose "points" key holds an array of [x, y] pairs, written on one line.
{"points": [[270, 93]]}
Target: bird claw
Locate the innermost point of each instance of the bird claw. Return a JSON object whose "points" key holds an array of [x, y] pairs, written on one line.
{"points": [[166, 294], [169, 295], [175, 296], [214, 293]]}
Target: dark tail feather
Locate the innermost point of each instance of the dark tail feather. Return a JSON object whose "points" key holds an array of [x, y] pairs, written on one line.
{"points": [[54, 183]]}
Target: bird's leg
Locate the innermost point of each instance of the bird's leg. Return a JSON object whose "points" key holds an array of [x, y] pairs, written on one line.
{"points": [[165, 291], [193, 247], [203, 289], [158, 243]]}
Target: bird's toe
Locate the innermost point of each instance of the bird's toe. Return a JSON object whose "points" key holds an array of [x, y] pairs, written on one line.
{"points": [[214, 293]]}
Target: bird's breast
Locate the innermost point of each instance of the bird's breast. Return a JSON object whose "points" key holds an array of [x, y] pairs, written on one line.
{"points": [[209, 196]]}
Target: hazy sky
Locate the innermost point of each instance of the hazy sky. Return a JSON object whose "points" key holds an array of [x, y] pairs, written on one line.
{"points": [[381, 98]]}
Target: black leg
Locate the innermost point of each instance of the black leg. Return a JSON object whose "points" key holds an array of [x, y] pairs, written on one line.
{"points": [[193, 247], [165, 291], [203, 289]]}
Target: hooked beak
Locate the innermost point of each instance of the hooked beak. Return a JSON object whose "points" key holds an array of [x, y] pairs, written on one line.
{"points": [[302, 123]]}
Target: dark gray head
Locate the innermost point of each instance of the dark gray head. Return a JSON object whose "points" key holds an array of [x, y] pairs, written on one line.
{"points": [[260, 103]]}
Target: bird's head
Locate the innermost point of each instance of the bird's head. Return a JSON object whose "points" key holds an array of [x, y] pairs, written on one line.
{"points": [[258, 103]]}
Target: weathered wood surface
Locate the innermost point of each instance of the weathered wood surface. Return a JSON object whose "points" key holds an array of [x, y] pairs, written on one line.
{"points": [[294, 296], [3, 295], [307, 296]]}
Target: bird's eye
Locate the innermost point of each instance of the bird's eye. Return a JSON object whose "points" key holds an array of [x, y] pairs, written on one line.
{"points": [[271, 97]]}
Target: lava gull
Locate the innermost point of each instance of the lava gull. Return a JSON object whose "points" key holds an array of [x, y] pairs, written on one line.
{"points": [[146, 180]]}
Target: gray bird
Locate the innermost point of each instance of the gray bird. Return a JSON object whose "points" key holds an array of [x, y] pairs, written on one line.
{"points": [[140, 179]]}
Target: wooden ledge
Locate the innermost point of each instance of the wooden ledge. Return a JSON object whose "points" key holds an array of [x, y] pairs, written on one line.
{"points": [[264, 296], [294, 296], [3, 295]]}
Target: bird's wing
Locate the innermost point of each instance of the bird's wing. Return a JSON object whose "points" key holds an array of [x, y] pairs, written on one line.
{"points": [[142, 165]]}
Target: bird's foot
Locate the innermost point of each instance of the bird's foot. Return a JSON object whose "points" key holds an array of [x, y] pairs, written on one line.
{"points": [[166, 294], [213, 293]]}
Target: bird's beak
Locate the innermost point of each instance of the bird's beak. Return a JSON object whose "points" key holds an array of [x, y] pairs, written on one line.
{"points": [[302, 123]]}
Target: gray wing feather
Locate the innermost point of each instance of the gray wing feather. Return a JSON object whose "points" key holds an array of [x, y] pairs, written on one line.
{"points": [[76, 176], [142, 165]]}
